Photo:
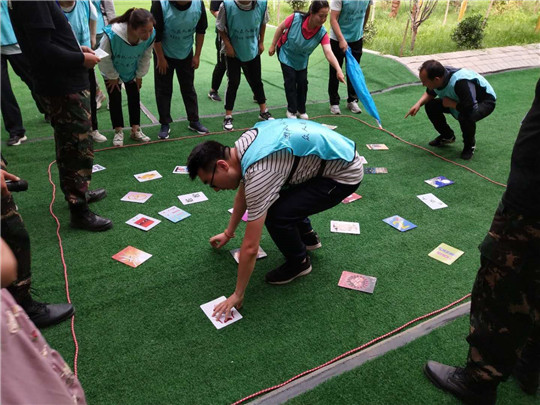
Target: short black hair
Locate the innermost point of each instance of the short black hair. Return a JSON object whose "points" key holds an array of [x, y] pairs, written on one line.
{"points": [[433, 69], [203, 156]]}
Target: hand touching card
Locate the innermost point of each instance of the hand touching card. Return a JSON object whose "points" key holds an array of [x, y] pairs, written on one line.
{"points": [[220, 323]]}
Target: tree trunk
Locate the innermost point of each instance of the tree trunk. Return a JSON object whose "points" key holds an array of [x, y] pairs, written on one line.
{"points": [[278, 10], [462, 10], [404, 38], [446, 12], [487, 13], [413, 37], [372, 12], [395, 8]]}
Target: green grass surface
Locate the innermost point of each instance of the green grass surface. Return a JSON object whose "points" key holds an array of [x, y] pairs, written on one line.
{"points": [[142, 336]]}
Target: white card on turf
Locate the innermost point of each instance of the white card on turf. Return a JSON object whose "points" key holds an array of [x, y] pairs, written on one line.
{"points": [[345, 227], [147, 176], [180, 170], [143, 222], [236, 254], [192, 198], [136, 197], [431, 201], [97, 168], [208, 309], [100, 53]]}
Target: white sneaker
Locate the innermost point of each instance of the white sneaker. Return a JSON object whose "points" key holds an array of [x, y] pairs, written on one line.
{"points": [[291, 115], [303, 116], [97, 136], [228, 123], [139, 136], [118, 139], [100, 97], [353, 106], [334, 109]]}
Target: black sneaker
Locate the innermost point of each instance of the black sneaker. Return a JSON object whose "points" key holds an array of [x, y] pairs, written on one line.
{"points": [[214, 96], [441, 140], [16, 140], [468, 152], [227, 123], [198, 127], [265, 116], [311, 240], [44, 315], [164, 131], [288, 271]]}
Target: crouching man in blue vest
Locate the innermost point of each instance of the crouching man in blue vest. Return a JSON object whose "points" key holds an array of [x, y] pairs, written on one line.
{"points": [[461, 92], [285, 170]]}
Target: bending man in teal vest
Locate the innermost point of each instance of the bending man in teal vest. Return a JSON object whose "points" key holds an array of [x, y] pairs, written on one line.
{"points": [[285, 170], [461, 92]]}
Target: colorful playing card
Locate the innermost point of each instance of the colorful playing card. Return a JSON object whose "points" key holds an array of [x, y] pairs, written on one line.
{"points": [[363, 160], [431, 201], [438, 182], [329, 126], [136, 197], [399, 223], [180, 170], [97, 168], [131, 256], [208, 309], [445, 253], [236, 254], [375, 170], [351, 198], [345, 227], [143, 222], [147, 176], [377, 146], [192, 198], [244, 217], [174, 214], [355, 281]]}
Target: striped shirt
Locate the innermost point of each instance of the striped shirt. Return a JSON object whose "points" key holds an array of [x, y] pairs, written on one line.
{"points": [[264, 179]]}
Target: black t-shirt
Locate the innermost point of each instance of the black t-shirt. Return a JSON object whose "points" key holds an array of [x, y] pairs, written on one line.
{"points": [[523, 191], [47, 40]]}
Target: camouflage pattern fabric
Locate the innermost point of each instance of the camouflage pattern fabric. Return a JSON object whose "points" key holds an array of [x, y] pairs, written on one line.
{"points": [[71, 120], [505, 307]]}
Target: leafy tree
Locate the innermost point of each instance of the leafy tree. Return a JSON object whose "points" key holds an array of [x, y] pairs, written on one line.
{"points": [[469, 33], [419, 11], [298, 5]]}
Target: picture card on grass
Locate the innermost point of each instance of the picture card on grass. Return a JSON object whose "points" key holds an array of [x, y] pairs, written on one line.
{"points": [[431, 201], [345, 227], [351, 198], [329, 126], [208, 309], [445, 253], [147, 176], [375, 170], [174, 214], [236, 254], [134, 196], [439, 182], [359, 282], [377, 146], [131, 256], [143, 222], [180, 170], [192, 198], [401, 224], [97, 168], [244, 217]]}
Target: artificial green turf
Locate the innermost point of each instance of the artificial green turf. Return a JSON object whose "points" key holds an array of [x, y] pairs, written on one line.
{"points": [[142, 336]]}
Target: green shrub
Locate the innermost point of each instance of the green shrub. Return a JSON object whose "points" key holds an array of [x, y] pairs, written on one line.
{"points": [[469, 33], [298, 5], [370, 31]]}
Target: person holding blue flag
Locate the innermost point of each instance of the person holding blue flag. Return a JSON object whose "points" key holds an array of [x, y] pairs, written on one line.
{"points": [[129, 41], [463, 93], [348, 20], [285, 171], [176, 24], [295, 40]]}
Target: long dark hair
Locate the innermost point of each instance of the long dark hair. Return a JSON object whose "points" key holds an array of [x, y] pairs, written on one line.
{"points": [[135, 17], [316, 6]]}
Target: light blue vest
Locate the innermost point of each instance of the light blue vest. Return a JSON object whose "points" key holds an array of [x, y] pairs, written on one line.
{"points": [[296, 49], [8, 36], [100, 21], [461, 74], [178, 28], [351, 19], [301, 138], [79, 18], [243, 28], [125, 56]]}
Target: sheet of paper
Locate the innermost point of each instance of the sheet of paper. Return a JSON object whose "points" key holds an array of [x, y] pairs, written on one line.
{"points": [[174, 214], [445, 253], [134, 196], [147, 176], [208, 309], [192, 198], [131, 256], [236, 254], [377, 146], [143, 222], [100, 53], [401, 224], [97, 168], [359, 282], [180, 170], [345, 227], [351, 198], [431, 201], [439, 181]]}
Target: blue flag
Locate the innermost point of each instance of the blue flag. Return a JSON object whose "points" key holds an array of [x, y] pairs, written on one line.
{"points": [[355, 75]]}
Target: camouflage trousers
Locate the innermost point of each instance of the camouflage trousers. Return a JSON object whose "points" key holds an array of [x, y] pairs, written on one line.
{"points": [[16, 236], [505, 303], [70, 118]]}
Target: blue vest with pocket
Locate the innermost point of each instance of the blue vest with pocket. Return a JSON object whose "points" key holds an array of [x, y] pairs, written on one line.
{"points": [[79, 18], [301, 138], [296, 49], [178, 28], [8, 35], [351, 19]]}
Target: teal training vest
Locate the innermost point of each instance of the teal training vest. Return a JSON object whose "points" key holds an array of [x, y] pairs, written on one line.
{"points": [[178, 28], [125, 56], [301, 138], [461, 74], [100, 21], [8, 35], [243, 28], [79, 18], [296, 49], [351, 19]]}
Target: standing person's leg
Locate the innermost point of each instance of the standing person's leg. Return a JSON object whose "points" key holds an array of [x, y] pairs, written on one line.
{"points": [[301, 92], [11, 113], [352, 98], [93, 108], [22, 68], [289, 84], [333, 83], [233, 81], [117, 116], [163, 84], [134, 109], [468, 126], [219, 71], [435, 112], [186, 77], [253, 73]]}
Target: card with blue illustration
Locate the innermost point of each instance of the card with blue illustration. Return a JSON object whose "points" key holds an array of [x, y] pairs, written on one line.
{"points": [[439, 182], [174, 214], [375, 170], [401, 224]]}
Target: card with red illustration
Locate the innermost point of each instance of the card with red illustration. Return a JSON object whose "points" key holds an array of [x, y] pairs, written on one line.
{"points": [[131, 256], [359, 282], [208, 309], [143, 222]]}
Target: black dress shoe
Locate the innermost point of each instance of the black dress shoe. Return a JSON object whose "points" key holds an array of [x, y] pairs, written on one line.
{"points": [[89, 221], [527, 375], [44, 315], [96, 195], [460, 384]]}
